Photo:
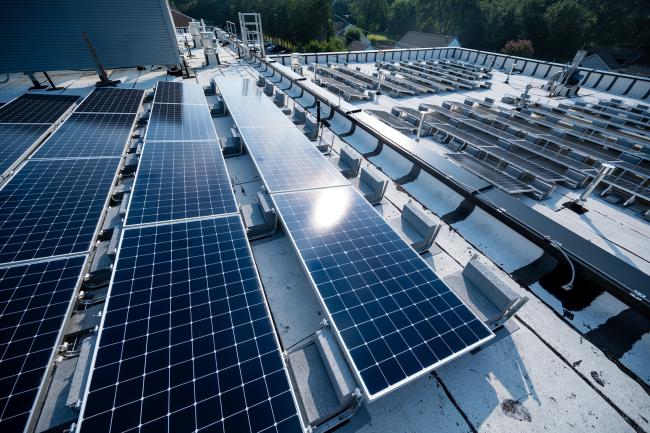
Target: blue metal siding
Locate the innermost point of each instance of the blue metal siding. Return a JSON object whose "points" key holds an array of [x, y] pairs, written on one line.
{"points": [[41, 35]]}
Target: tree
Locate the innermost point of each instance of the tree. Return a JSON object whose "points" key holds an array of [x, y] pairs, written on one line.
{"points": [[370, 15], [402, 17], [520, 48], [353, 34], [568, 24]]}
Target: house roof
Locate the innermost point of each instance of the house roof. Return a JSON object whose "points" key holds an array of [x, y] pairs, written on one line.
{"points": [[601, 61], [180, 19], [424, 40]]}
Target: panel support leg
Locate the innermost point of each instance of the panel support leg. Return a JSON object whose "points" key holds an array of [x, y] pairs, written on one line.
{"points": [[53, 86], [36, 85], [104, 81]]}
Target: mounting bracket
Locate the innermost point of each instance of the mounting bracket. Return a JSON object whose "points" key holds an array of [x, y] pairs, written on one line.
{"points": [[104, 81]]}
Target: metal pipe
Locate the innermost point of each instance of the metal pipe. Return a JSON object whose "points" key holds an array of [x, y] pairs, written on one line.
{"points": [[604, 170]]}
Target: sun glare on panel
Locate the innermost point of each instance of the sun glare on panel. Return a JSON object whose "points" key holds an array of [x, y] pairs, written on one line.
{"points": [[332, 205]]}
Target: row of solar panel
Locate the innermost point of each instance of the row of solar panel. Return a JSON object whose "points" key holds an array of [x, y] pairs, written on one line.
{"points": [[52, 206], [182, 173], [187, 343], [395, 318], [94, 130], [24, 122], [285, 158], [49, 208]]}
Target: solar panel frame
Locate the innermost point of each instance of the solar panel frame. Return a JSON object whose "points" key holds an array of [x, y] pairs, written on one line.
{"points": [[174, 92], [40, 316], [112, 100], [162, 163], [89, 135], [288, 161], [370, 276], [179, 122], [104, 376], [17, 141], [36, 108], [49, 192]]}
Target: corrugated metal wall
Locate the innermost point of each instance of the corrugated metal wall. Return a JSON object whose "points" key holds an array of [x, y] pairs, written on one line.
{"points": [[42, 35]]}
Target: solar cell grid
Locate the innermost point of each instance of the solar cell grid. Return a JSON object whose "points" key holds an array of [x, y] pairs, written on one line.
{"points": [[396, 318], [88, 135], [34, 300], [230, 87], [112, 101], [187, 343], [179, 93], [287, 160], [36, 108], [178, 122], [179, 180], [15, 140], [52, 207], [257, 112]]}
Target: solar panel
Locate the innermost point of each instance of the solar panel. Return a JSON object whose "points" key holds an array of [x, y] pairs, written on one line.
{"points": [[257, 112], [287, 160], [34, 300], [89, 135], [498, 178], [179, 180], [179, 93], [52, 207], [236, 87], [112, 101], [178, 122], [36, 108], [187, 343], [396, 319], [17, 139]]}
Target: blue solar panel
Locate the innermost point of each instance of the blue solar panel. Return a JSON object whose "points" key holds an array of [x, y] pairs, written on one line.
{"points": [[179, 93], [397, 320], [288, 161], [187, 343], [179, 122], [89, 135], [34, 300], [15, 140], [179, 180], [52, 207], [112, 101], [236, 87], [36, 108], [257, 111]]}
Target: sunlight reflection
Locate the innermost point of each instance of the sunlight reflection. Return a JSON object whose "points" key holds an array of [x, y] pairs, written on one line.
{"points": [[331, 206]]}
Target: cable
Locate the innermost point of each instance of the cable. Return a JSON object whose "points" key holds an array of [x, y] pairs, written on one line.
{"points": [[558, 246]]}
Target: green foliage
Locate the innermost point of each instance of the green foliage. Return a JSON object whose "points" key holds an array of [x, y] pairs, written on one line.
{"points": [[568, 23], [370, 15], [402, 17], [332, 44], [353, 34], [520, 48], [556, 28]]}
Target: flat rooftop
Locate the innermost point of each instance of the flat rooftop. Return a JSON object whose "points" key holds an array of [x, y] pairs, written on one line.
{"points": [[574, 362]]}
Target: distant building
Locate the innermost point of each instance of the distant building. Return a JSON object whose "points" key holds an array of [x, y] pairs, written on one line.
{"points": [[415, 39], [600, 61], [612, 58], [180, 19]]}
